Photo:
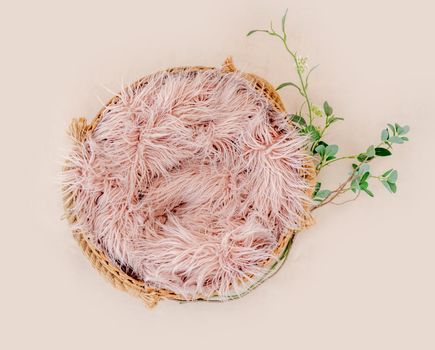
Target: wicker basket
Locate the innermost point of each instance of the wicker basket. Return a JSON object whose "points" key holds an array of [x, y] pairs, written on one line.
{"points": [[80, 128]]}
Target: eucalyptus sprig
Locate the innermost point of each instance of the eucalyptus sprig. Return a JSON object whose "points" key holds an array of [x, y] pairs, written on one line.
{"points": [[314, 121]]}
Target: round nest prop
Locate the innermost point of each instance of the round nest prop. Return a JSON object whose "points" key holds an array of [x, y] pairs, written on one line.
{"points": [[188, 185]]}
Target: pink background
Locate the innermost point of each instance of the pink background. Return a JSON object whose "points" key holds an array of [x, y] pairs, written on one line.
{"points": [[361, 278]]}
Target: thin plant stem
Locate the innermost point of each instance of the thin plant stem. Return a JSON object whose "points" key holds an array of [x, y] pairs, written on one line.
{"points": [[334, 194], [301, 80]]}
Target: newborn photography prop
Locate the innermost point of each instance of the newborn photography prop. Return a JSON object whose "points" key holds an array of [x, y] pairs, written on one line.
{"points": [[191, 183]]}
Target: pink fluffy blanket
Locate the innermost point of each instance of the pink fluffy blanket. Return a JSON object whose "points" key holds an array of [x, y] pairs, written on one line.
{"points": [[189, 181]]}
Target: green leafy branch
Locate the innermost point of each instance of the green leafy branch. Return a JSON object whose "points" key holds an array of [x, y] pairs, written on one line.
{"points": [[314, 122], [300, 63]]}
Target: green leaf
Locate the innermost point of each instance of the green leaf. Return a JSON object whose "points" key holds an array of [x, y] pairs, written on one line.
{"points": [[354, 185], [404, 138], [387, 185], [403, 130], [331, 151], [298, 120], [362, 157], [323, 143], [288, 83], [320, 143], [391, 187], [332, 119], [387, 173], [363, 169], [392, 177], [315, 134], [370, 151], [317, 188], [364, 177], [257, 30], [327, 108], [322, 194], [363, 185], [395, 139], [382, 152], [318, 194], [320, 150], [370, 193], [385, 135], [393, 129]]}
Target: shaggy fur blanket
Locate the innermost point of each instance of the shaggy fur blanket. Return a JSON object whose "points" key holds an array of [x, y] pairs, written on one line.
{"points": [[189, 181]]}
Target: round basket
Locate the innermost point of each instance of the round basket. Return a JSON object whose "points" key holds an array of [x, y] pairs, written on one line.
{"points": [[125, 280]]}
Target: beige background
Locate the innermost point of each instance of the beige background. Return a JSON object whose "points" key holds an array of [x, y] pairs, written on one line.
{"points": [[362, 278]]}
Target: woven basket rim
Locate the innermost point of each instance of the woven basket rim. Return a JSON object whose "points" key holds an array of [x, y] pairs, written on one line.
{"points": [[80, 128]]}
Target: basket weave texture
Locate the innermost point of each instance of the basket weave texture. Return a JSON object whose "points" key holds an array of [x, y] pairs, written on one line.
{"points": [[80, 128]]}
